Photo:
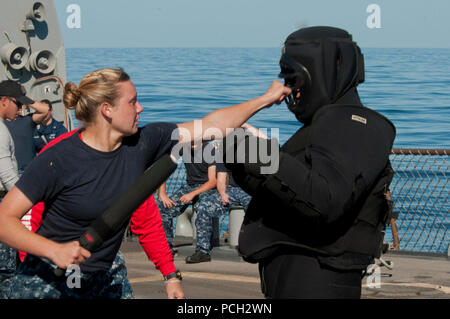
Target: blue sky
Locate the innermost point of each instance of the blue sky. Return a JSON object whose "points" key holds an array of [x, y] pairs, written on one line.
{"points": [[250, 23]]}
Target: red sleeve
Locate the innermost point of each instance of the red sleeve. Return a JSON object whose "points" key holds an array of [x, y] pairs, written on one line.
{"points": [[36, 216], [147, 224], [35, 221]]}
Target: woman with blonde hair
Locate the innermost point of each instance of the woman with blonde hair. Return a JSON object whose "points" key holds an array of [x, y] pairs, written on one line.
{"points": [[80, 177]]}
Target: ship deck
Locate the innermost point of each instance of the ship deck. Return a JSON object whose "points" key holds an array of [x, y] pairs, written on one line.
{"points": [[227, 276]]}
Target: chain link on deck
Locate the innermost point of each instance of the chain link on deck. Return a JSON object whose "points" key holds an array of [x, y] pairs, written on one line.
{"points": [[420, 192]]}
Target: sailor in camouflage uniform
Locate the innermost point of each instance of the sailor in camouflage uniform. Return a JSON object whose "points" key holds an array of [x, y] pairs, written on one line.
{"points": [[228, 194], [201, 183]]}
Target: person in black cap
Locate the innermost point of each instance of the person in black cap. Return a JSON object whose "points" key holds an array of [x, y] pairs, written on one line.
{"points": [[23, 127], [12, 96], [317, 223], [15, 91]]}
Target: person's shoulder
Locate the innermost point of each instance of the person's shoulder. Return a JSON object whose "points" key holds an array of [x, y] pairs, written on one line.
{"points": [[62, 156], [62, 143], [57, 123], [159, 132], [4, 131], [53, 157], [21, 121], [356, 112], [28, 119], [160, 127], [2, 124]]}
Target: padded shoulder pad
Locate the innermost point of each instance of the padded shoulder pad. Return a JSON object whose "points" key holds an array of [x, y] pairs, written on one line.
{"points": [[358, 139]]}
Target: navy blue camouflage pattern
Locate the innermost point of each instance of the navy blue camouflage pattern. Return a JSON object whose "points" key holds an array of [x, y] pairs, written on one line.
{"points": [[35, 279], [8, 260], [168, 214], [213, 208]]}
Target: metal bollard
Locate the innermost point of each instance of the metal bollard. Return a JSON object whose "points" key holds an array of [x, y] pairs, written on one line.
{"points": [[184, 227], [236, 218]]}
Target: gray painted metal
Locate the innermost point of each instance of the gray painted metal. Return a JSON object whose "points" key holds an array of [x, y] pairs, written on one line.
{"points": [[32, 52]]}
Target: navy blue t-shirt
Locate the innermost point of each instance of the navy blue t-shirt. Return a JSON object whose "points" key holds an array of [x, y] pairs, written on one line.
{"points": [[22, 130], [220, 168], [77, 183], [198, 163]]}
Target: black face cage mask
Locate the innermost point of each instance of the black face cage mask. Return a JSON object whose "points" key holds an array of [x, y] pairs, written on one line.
{"points": [[296, 76]]}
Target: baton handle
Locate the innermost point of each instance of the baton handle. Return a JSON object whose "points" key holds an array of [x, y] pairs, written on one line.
{"points": [[59, 272]]}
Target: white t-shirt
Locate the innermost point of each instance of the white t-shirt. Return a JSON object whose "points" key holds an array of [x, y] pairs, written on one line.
{"points": [[8, 162]]}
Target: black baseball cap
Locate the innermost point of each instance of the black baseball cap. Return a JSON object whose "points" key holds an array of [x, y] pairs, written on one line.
{"points": [[13, 89]]}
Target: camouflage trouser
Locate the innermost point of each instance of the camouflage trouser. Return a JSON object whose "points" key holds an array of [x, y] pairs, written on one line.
{"points": [[35, 280], [168, 214], [7, 267], [213, 208]]}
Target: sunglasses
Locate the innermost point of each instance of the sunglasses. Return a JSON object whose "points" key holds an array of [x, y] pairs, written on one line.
{"points": [[19, 104]]}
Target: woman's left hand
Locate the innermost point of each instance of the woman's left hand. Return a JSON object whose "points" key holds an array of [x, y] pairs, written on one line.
{"points": [[174, 290]]}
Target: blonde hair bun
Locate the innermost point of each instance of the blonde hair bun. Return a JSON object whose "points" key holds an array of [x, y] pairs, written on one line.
{"points": [[71, 95]]}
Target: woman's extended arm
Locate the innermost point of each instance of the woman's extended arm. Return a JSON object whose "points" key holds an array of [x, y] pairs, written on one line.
{"points": [[215, 124]]}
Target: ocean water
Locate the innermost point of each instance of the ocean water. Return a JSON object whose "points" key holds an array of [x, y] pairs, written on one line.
{"points": [[409, 86]]}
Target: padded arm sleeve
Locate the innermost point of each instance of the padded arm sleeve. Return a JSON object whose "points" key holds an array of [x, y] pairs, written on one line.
{"points": [[319, 194]]}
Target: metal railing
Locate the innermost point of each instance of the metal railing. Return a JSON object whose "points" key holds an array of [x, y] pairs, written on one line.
{"points": [[420, 192]]}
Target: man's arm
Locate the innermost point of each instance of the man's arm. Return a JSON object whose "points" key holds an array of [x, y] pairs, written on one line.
{"points": [[222, 182], [210, 184], [8, 171], [41, 109], [167, 202]]}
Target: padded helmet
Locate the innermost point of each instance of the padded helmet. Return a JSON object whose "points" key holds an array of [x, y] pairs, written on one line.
{"points": [[320, 64]]}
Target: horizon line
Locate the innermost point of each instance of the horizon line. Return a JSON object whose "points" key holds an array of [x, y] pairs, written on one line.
{"points": [[231, 47]]}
